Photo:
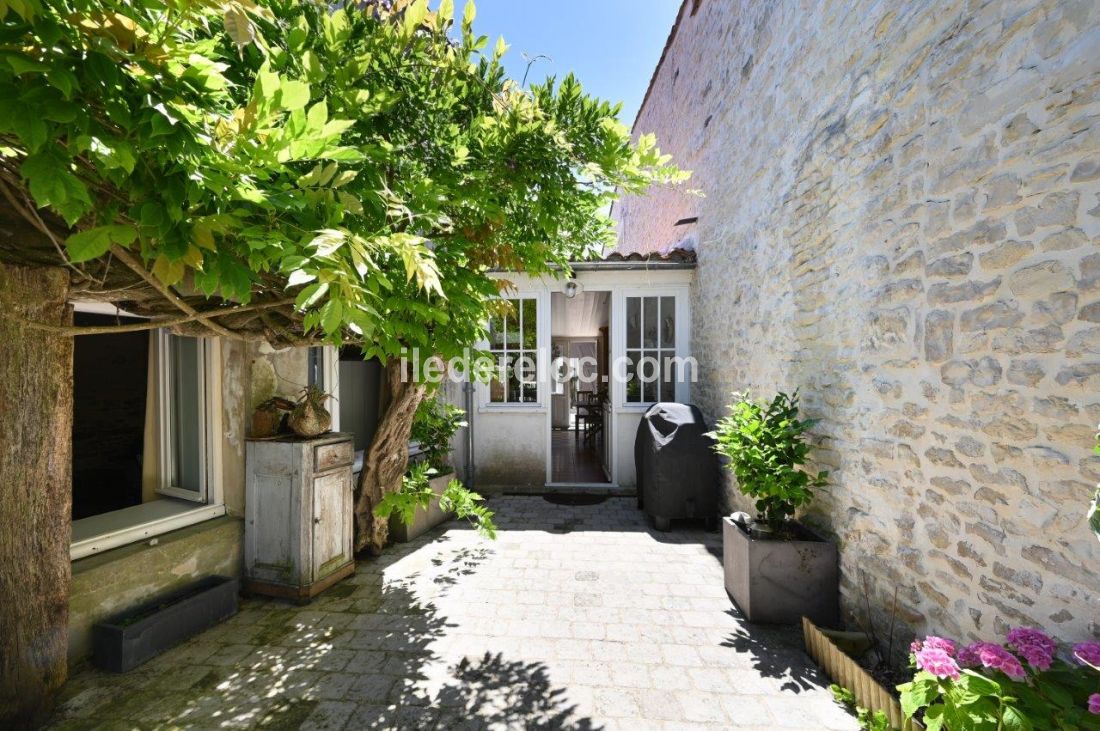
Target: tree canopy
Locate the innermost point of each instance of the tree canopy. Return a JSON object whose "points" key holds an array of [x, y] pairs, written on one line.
{"points": [[356, 172]]}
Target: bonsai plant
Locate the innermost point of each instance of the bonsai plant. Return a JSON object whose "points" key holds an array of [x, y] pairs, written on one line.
{"points": [[776, 570]]}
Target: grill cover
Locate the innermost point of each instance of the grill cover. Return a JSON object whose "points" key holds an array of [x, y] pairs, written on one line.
{"points": [[677, 468]]}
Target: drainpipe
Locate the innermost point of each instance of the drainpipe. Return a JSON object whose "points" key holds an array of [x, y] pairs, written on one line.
{"points": [[468, 389]]}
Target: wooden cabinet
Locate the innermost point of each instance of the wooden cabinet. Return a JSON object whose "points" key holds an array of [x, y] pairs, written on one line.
{"points": [[298, 515]]}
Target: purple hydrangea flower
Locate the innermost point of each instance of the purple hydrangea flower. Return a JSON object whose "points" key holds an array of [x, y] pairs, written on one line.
{"points": [[1094, 703], [968, 656], [938, 662], [1088, 653], [992, 655], [1035, 646]]}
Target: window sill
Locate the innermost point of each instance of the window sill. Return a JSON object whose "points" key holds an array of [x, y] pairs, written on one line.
{"points": [[512, 409], [117, 528]]}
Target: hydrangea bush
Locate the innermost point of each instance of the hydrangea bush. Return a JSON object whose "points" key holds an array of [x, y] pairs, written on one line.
{"points": [[1020, 685]]}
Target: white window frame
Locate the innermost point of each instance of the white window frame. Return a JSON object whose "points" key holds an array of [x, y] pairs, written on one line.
{"points": [[330, 378], [542, 339], [164, 421], [682, 388], [180, 509]]}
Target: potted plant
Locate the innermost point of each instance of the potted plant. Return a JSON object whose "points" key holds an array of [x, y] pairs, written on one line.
{"points": [[776, 570], [434, 426]]}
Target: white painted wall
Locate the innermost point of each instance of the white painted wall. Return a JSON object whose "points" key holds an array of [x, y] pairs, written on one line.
{"points": [[512, 442]]}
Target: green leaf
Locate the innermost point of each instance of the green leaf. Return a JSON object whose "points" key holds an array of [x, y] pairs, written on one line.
{"points": [[446, 11], [415, 12], [88, 244], [316, 118], [293, 94], [468, 15], [1012, 719], [933, 718], [919, 693]]}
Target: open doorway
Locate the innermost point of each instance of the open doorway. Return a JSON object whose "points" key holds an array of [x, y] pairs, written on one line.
{"points": [[579, 388]]}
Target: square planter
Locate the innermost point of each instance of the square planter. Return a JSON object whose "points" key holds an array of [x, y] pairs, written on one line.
{"points": [[424, 520], [778, 582], [847, 673], [128, 639]]}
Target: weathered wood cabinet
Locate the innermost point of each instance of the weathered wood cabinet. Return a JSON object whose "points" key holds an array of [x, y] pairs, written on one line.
{"points": [[298, 515]]}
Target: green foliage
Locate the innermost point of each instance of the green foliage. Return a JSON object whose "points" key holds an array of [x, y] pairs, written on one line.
{"points": [[376, 163], [434, 425], [765, 444], [1053, 699], [876, 721], [466, 504], [416, 494]]}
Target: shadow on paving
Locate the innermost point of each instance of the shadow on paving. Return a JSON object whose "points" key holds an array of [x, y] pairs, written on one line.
{"points": [[360, 655], [777, 653]]}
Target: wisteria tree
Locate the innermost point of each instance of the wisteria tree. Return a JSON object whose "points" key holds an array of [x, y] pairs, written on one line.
{"points": [[280, 171]]}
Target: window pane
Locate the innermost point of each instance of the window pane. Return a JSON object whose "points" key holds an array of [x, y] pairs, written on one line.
{"points": [[633, 322], [649, 322], [496, 333], [633, 387], [648, 371], [668, 322], [497, 392], [529, 393], [530, 324], [185, 412], [668, 374], [316, 374]]}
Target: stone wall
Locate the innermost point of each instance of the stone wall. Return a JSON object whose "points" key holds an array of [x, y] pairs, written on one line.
{"points": [[108, 583], [902, 218]]}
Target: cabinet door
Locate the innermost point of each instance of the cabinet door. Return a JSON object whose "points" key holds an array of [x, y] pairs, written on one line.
{"points": [[331, 521]]}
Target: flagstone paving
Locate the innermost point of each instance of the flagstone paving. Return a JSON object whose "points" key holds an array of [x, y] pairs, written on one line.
{"points": [[576, 617]]}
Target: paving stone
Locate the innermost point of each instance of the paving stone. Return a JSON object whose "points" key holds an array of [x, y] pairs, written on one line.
{"points": [[612, 625]]}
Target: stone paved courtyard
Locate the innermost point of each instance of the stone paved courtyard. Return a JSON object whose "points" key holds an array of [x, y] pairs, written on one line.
{"points": [[576, 617]]}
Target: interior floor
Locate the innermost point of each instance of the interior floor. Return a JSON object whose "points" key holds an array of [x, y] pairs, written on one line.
{"points": [[574, 459]]}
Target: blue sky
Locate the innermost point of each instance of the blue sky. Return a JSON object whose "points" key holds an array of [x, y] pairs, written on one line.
{"points": [[611, 45]]}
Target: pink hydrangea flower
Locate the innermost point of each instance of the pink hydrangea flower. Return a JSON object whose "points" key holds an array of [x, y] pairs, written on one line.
{"points": [[938, 662], [1088, 653], [939, 643], [1035, 646], [915, 647], [992, 655], [1094, 703]]}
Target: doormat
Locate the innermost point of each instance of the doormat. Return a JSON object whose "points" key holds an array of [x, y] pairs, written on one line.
{"points": [[571, 499]]}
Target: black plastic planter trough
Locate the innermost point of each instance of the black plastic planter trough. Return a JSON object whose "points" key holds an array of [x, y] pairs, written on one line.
{"points": [[128, 639]]}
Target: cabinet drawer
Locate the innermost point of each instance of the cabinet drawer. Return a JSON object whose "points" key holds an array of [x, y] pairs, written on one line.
{"points": [[328, 456]]}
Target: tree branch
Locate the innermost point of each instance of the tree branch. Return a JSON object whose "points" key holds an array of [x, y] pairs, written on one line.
{"points": [[72, 330], [130, 261]]}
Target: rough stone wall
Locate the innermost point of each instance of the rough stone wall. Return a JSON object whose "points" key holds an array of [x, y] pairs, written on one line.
{"points": [[107, 583], [902, 218]]}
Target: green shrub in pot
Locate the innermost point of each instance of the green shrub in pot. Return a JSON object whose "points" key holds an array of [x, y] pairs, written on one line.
{"points": [[434, 426], [766, 445]]}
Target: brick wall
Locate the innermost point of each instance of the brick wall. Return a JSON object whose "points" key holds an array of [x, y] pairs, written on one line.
{"points": [[902, 217]]}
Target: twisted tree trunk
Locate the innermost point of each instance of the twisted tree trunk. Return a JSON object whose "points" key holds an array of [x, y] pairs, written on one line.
{"points": [[36, 406], [387, 458]]}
